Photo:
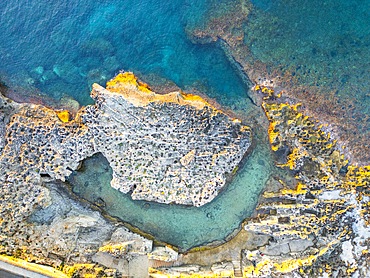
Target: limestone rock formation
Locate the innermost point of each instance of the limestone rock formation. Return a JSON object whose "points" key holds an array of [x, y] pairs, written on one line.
{"points": [[321, 225], [316, 221], [165, 148], [172, 148]]}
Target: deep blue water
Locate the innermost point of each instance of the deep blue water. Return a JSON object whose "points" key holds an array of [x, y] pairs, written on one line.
{"points": [[62, 47]]}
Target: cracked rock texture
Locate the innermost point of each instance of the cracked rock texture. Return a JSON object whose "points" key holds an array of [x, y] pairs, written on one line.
{"points": [[315, 219], [313, 222], [164, 148]]}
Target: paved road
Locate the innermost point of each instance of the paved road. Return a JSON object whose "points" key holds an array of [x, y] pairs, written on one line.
{"points": [[5, 274], [12, 271]]}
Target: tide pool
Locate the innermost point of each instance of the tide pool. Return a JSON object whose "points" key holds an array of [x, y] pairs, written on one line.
{"points": [[62, 47], [182, 226]]}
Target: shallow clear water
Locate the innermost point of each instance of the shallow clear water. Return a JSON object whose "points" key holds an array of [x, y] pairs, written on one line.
{"points": [[62, 47], [181, 226]]}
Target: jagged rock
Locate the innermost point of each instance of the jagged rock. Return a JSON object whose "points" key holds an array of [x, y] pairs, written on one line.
{"points": [[323, 218]]}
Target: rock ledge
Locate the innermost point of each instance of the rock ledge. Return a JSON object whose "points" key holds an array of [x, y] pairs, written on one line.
{"points": [[172, 148]]}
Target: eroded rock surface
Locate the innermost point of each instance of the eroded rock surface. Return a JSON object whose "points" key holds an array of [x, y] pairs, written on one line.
{"points": [[313, 223], [320, 227], [165, 148], [315, 220]]}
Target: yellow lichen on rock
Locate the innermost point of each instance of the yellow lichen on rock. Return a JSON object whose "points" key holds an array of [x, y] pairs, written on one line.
{"points": [[275, 112], [325, 218], [139, 93], [37, 268], [328, 196], [274, 137], [84, 270], [63, 115], [358, 176], [293, 264], [128, 78], [293, 158], [115, 249]]}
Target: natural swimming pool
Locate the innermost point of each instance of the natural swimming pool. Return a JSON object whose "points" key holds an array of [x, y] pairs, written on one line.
{"points": [[182, 226]]}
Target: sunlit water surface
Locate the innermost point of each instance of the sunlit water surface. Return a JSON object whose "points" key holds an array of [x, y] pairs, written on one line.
{"points": [[62, 47]]}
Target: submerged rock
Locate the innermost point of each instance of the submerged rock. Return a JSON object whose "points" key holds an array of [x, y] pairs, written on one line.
{"points": [[68, 72], [111, 64]]}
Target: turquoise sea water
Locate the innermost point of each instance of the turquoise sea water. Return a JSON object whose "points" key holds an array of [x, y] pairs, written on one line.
{"points": [[62, 47]]}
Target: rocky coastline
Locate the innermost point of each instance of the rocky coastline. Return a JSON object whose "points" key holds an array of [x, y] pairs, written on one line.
{"points": [[312, 221], [239, 26], [167, 146], [171, 148]]}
